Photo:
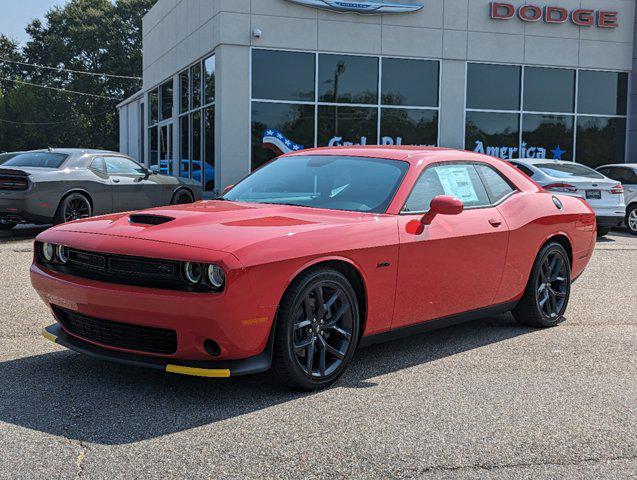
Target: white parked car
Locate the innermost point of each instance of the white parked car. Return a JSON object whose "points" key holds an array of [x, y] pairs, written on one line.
{"points": [[604, 195], [626, 173]]}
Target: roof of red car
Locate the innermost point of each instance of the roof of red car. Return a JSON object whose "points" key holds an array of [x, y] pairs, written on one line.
{"points": [[406, 153]]}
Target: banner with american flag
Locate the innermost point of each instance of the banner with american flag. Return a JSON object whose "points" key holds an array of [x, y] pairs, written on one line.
{"points": [[279, 143]]}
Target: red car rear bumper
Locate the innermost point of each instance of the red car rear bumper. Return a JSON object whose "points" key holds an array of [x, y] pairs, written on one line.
{"points": [[232, 319]]}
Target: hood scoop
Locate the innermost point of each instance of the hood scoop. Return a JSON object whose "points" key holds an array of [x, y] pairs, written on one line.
{"points": [[146, 219]]}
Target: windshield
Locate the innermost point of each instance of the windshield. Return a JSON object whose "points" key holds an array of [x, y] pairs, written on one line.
{"points": [[333, 182], [6, 156], [36, 159], [568, 170]]}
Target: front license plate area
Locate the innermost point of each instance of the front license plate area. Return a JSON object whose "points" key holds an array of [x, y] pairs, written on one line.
{"points": [[593, 194]]}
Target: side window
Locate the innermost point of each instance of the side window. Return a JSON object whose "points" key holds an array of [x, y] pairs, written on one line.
{"points": [[123, 166], [455, 179], [623, 175], [99, 165], [497, 187], [523, 169]]}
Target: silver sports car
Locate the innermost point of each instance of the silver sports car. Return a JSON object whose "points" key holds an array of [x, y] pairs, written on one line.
{"points": [[61, 185]]}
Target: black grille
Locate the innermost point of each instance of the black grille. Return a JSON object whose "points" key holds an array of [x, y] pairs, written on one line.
{"points": [[116, 334], [8, 182]]}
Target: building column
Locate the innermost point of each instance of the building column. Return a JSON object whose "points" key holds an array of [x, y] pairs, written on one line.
{"points": [[452, 103], [232, 136]]}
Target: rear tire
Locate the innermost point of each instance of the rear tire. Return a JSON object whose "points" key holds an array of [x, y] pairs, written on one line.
{"points": [[631, 219], [74, 206], [548, 291], [6, 226], [602, 231], [316, 332]]}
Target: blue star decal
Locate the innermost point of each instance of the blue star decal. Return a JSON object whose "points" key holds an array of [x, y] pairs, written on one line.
{"points": [[557, 153]]}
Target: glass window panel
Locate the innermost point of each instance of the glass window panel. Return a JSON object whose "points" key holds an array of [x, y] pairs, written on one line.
{"points": [[602, 93], [547, 136], [209, 79], [123, 166], [410, 82], [401, 126], [625, 175], [495, 134], [347, 126], [348, 79], [195, 85], [283, 75], [195, 143], [153, 97], [153, 144], [549, 89], [493, 87], [142, 131], [457, 180], [497, 187], [600, 140], [184, 150], [294, 124], [209, 149], [167, 100], [184, 84]]}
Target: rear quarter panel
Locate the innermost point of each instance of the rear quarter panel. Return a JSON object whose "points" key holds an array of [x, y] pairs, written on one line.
{"points": [[533, 219]]}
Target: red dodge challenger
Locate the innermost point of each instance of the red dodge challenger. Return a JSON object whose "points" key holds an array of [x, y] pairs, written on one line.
{"points": [[311, 256]]}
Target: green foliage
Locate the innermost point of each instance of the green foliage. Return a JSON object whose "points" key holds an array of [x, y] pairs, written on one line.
{"points": [[100, 36]]}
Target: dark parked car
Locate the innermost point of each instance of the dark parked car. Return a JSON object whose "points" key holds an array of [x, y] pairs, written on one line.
{"points": [[61, 185]]}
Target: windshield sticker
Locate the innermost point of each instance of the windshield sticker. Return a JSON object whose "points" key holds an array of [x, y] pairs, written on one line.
{"points": [[457, 183]]}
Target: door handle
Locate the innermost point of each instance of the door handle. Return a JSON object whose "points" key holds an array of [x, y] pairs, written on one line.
{"points": [[115, 180], [495, 222]]}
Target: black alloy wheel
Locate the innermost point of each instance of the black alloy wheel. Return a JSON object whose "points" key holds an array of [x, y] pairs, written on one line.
{"points": [[316, 331], [73, 207], [548, 290], [323, 329], [182, 197], [552, 284]]}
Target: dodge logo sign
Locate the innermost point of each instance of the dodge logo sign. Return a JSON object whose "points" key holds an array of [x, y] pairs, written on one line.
{"points": [[532, 13], [360, 6]]}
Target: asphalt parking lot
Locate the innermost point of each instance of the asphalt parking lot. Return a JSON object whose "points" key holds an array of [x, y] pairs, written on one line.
{"points": [[487, 399]]}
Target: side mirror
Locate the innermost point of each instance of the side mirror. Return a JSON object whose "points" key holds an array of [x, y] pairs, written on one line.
{"points": [[154, 169], [441, 205], [227, 189]]}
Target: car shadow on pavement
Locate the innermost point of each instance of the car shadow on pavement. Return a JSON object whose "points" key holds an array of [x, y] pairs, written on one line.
{"points": [[81, 398]]}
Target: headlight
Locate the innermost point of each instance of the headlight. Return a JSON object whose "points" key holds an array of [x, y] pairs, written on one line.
{"points": [[216, 276], [63, 254], [193, 272], [48, 252]]}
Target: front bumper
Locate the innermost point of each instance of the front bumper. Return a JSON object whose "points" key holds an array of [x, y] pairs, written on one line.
{"points": [[260, 363]]}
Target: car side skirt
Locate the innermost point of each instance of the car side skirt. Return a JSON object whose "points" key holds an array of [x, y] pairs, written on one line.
{"points": [[436, 324]]}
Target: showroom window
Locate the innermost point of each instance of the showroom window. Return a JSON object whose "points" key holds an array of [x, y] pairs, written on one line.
{"points": [[301, 100], [197, 86], [540, 112], [160, 128]]}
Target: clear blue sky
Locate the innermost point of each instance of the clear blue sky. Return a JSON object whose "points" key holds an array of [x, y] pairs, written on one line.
{"points": [[17, 14]]}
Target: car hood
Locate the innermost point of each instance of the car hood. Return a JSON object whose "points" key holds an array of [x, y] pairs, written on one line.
{"points": [[216, 225]]}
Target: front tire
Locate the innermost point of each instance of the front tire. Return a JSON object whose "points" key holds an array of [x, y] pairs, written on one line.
{"points": [[316, 332], [73, 207], [631, 219], [548, 291], [182, 197]]}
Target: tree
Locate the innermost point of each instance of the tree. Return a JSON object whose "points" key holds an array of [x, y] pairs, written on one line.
{"points": [[98, 36]]}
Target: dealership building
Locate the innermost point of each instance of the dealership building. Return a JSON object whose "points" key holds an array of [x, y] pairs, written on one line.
{"points": [[230, 84]]}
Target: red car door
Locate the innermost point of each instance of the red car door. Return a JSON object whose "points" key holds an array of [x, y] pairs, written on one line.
{"points": [[456, 264]]}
